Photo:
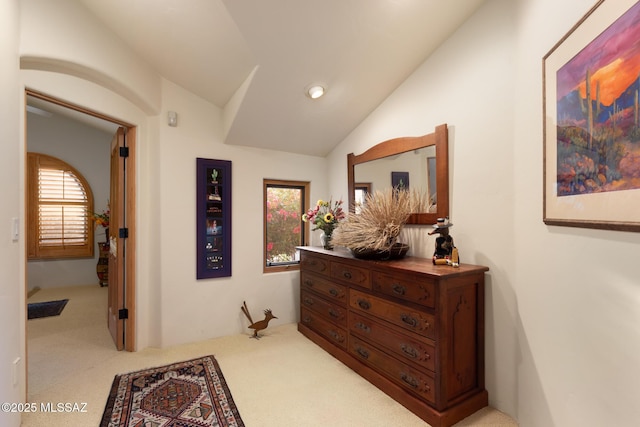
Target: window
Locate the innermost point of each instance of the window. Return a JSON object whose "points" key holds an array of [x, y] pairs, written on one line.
{"points": [[59, 201], [362, 189], [284, 204]]}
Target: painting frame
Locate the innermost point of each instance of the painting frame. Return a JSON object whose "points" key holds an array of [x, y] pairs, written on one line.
{"points": [[213, 218], [599, 205], [400, 179]]}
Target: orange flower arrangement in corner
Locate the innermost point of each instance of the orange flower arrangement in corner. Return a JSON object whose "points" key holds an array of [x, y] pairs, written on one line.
{"points": [[102, 218]]}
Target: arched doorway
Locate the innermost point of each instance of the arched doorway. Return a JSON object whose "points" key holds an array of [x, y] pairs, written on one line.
{"points": [[125, 236]]}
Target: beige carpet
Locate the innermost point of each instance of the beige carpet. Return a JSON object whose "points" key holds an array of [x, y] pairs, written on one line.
{"points": [[280, 380]]}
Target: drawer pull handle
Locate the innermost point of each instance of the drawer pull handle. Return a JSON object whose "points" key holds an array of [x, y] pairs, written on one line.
{"points": [[308, 282], [336, 336], [398, 289], [409, 351], [409, 380], [306, 319], [364, 304], [334, 313], [308, 301], [411, 321], [333, 292], [362, 352], [363, 327], [347, 275]]}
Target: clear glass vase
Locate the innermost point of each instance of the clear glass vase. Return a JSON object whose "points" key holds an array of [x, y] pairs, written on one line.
{"points": [[325, 238]]}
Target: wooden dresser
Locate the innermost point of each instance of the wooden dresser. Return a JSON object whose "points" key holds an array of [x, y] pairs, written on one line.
{"points": [[413, 329]]}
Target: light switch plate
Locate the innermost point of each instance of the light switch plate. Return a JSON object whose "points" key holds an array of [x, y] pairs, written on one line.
{"points": [[15, 229], [15, 370]]}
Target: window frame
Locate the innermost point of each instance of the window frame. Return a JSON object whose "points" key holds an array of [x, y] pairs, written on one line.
{"points": [[305, 186], [35, 251]]}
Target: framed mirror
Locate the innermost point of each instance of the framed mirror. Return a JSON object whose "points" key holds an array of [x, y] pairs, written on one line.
{"points": [[420, 163]]}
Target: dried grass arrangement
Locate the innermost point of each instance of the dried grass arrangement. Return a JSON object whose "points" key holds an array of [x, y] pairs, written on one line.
{"points": [[381, 218]]}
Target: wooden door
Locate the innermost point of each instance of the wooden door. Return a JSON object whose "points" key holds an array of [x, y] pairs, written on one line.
{"points": [[116, 307]]}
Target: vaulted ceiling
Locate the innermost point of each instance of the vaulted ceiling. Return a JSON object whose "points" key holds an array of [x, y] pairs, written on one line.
{"points": [[254, 58]]}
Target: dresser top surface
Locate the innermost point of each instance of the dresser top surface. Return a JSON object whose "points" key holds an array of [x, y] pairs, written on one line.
{"points": [[407, 264]]}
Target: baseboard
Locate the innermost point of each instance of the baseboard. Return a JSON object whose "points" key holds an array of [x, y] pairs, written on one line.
{"points": [[32, 292]]}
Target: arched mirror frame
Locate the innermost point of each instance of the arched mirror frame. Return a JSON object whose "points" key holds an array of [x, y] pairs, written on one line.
{"points": [[391, 147]]}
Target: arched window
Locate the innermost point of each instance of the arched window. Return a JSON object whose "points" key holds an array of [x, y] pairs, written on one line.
{"points": [[59, 201]]}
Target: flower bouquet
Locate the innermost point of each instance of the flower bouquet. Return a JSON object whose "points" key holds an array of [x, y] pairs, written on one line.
{"points": [[325, 216], [100, 219]]}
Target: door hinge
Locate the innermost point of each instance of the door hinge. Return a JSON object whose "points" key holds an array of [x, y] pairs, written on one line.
{"points": [[123, 313], [124, 151], [123, 233]]}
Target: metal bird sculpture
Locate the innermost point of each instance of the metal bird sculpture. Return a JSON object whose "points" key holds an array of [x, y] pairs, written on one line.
{"points": [[259, 325]]}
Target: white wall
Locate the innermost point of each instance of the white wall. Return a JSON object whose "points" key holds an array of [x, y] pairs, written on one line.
{"points": [[49, 41], [193, 309], [87, 149], [577, 290], [562, 303], [12, 295]]}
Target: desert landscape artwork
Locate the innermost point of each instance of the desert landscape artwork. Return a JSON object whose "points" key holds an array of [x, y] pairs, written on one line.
{"points": [[598, 112]]}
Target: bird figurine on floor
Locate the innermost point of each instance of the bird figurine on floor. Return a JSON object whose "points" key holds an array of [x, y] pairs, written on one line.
{"points": [[259, 325]]}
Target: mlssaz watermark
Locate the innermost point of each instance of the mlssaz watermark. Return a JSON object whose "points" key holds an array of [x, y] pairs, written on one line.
{"points": [[52, 407]]}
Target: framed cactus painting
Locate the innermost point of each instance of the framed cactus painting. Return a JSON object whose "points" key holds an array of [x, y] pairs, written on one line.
{"points": [[213, 218], [591, 110]]}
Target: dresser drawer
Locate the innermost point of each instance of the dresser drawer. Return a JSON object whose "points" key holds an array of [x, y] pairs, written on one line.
{"points": [[405, 376], [324, 287], [351, 274], [331, 312], [405, 317], [328, 330], [408, 349], [314, 263], [412, 288]]}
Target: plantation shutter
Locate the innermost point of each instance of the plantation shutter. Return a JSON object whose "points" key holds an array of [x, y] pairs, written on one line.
{"points": [[62, 215], [60, 203]]}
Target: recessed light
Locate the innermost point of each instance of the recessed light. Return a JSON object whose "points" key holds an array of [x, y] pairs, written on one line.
{"points": [[315, 91]]}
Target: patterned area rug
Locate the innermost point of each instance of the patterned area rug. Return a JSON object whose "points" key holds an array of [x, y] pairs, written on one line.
{"points": [[184, 394], [36, 310]]}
